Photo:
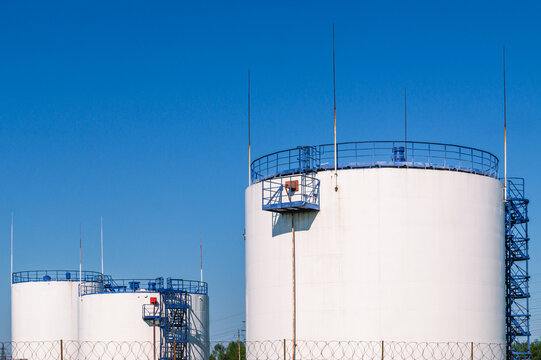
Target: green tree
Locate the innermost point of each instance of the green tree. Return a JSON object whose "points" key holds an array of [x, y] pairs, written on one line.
{"points": [[535, 349], [231, 352]]}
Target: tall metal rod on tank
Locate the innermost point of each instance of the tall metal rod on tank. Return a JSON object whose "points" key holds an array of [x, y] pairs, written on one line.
{"points": [[201, 251], [101, 242], [11, 276], [405, 127], [80, 250], [249, 136], [504, 131], [334, 102]]}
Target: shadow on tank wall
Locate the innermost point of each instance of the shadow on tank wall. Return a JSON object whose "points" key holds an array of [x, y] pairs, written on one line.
{"points": [[281, 223]]}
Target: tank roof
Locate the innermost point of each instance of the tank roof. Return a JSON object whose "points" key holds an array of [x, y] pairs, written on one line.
{"points": [[375, 154]]}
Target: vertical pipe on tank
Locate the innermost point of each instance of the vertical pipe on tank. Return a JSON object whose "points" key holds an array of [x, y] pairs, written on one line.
{"points": [[294, 280], [294, 277], [154, 339]]}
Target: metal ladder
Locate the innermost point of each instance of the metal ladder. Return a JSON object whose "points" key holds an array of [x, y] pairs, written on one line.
{"points": [[516, 272], [173, 324]]}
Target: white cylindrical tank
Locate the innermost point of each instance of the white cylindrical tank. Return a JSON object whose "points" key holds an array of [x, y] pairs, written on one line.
{"points": [[115, 317], [396, 254], [198, 322], [44, 310], [111, 324]]}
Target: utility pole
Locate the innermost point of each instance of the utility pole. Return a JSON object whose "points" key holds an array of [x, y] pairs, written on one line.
{"points": [[238, 341]]}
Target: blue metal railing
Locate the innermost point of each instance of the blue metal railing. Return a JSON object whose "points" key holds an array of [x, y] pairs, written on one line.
{"points": [[122, 285], [56, 275], [189, 286], [370, 154], [143, 285], [515, 187]]}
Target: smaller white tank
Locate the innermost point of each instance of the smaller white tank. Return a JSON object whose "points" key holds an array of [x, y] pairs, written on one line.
{"points": [[111, 320], [44, 310], [123, 317]]}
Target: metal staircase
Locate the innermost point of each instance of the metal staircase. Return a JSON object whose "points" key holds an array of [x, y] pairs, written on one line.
{"points": [[174, 325], [170, 314], [516, 271]]}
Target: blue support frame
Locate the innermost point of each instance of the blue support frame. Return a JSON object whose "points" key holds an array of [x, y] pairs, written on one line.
{"points": [[290, 193], [171, 315], [516, 271], [174, 306]]}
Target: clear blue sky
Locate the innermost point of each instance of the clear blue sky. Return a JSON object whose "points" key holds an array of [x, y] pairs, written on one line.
{"points": [[137, 112]]}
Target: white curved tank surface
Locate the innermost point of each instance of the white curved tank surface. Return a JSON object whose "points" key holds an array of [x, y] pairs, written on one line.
{"points": [[198, 322], [394, 254], [111, 324], [115, 317], [44, 311]]}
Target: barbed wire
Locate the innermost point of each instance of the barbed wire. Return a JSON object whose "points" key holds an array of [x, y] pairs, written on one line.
{"points": [[257, 350], [353, 350]]}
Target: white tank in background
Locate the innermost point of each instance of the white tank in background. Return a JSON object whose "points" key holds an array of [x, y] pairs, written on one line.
{"points": [[199, 327], [44, 310]]}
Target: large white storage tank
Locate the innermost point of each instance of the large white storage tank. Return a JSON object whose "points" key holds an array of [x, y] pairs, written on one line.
{"points": [[44, 309], [407, 246]]}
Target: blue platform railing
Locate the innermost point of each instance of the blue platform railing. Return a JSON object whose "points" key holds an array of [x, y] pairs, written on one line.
{"points": [[369, 154], [143, 285], [189, 286], [56, 275]]}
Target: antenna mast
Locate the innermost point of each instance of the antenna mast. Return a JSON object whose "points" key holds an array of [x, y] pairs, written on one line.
{"points": [[249, 133], [504, 131], [201, 251], [334, 102], [11, 280], [80, 250], [101, 241], [405, 126]]}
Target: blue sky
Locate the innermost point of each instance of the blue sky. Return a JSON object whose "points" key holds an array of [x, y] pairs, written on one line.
{"points": [[137, 112]]}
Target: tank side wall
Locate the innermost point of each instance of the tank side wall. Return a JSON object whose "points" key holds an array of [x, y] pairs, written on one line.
{"points": [[115, 317], [395, 254], [44, 311]]}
